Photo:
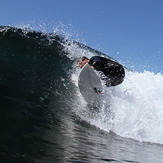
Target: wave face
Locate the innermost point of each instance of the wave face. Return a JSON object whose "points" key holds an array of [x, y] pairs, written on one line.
{"points": [[40, 100], [32, 81]]}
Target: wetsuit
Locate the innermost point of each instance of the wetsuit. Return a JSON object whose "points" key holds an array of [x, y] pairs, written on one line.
{"points": [[112, 72]]}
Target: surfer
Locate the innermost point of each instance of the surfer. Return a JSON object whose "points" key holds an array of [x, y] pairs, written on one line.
{"points": [[110, 71]]}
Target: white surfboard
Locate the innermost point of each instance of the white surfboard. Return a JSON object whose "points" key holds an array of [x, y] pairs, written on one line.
{"points": [[90, 86]]}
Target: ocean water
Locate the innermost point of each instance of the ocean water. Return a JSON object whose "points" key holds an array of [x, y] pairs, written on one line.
{"points": [[44, 118]]}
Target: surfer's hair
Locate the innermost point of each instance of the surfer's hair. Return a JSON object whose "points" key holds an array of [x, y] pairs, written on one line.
{"points": [[83, 58]]}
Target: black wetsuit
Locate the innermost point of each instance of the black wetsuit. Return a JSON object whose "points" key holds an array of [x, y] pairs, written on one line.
{"points": [[112, 72]]}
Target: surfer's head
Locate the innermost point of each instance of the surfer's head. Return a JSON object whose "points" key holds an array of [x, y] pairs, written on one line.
{"points": [[83, 61]]}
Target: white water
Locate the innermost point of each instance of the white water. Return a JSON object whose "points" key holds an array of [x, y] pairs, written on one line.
{"points": [[138, 107], [133, 109]]}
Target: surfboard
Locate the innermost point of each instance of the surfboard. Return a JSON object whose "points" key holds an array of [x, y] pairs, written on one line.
{"points": [[90, 86]]}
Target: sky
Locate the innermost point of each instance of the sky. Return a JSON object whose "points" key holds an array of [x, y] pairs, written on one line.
{"points": [[130, 31]]}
